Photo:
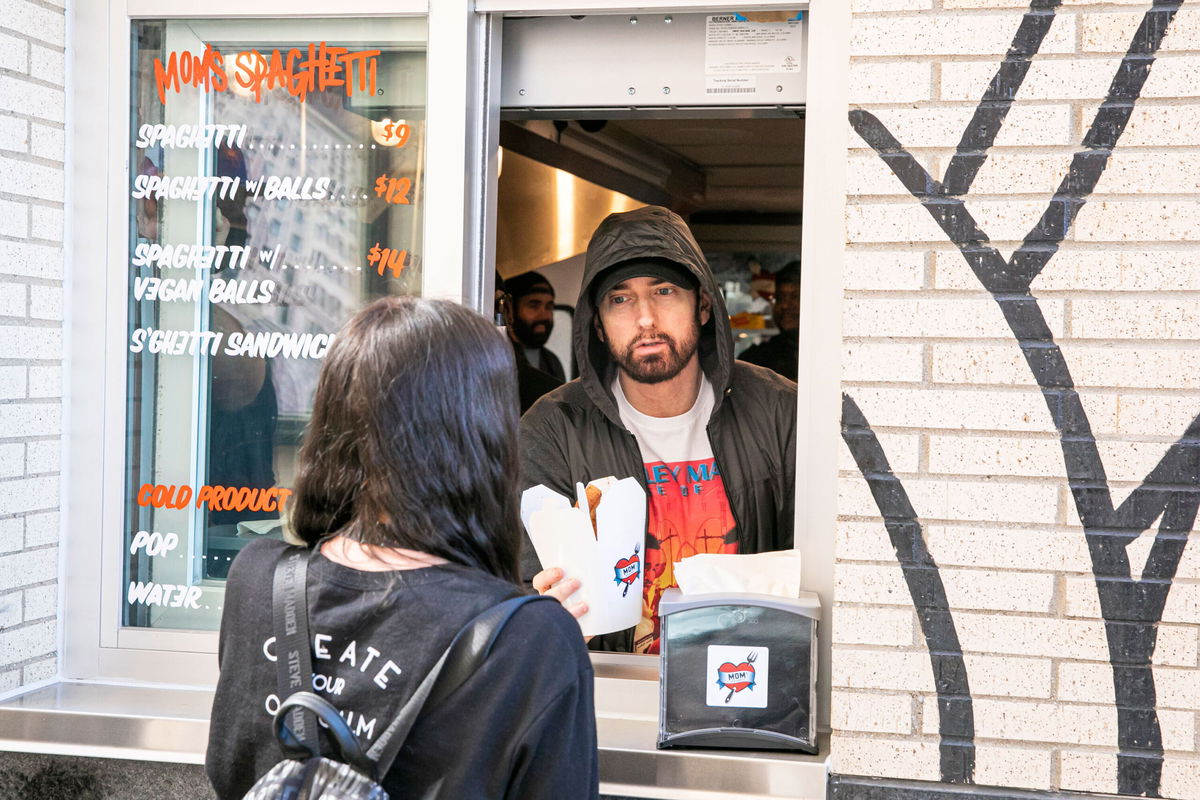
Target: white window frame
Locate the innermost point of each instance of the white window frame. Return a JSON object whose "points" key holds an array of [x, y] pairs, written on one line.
{"points": [[93, 644]]}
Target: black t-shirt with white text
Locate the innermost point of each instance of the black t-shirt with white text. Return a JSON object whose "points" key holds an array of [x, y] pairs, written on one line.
{"points": [[523, 726]]}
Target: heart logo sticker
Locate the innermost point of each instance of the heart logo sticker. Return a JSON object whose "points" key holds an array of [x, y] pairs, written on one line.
{"points": [[742, 672], [737, 677], [627, 570]]}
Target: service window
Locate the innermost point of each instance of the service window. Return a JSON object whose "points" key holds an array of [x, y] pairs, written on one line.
{"points": [[275, 188]]}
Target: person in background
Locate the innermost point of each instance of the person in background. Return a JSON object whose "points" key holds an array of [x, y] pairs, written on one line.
{"points": [[530, 320], [660, 397], [242, 420], [532, 383], [412, 535], [781, 352]]}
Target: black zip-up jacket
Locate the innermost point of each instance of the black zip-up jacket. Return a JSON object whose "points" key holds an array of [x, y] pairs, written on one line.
{"points": [[575, 434]]}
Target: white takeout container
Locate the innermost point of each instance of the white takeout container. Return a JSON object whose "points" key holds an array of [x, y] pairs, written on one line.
{"points": [[609, 564]]}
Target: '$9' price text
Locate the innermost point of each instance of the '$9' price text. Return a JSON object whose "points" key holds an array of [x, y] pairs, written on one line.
{"points": [[396, 130]]}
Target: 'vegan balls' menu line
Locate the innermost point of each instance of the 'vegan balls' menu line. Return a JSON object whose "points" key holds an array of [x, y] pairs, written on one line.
{"points": [[274, 192]]}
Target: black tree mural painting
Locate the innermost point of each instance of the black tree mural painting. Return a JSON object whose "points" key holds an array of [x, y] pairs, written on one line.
{"points": [[955, 716], [1170, 493]]}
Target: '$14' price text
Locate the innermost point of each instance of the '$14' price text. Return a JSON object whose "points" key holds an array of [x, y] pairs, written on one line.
{"points": [[387, 258]]}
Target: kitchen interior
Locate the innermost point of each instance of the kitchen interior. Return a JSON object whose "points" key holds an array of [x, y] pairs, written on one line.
{"points": [[736, 176]]}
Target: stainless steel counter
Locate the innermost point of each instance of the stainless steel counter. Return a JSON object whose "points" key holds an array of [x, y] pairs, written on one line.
{"points": [[150, 723], [144, 723]]}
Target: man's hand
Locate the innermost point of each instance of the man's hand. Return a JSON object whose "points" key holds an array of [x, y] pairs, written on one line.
{"points": [[551, 582]]}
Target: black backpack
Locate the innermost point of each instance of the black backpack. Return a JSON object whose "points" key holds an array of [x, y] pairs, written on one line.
{"points": [[305, 774]]}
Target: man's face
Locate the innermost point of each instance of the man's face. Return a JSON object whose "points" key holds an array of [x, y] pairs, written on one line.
{"points": [[533, 318], [651, 327], [787, 307]]}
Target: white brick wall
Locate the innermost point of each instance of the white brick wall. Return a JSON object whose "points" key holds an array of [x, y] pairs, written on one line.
{"points": [[943, 34], [934, 367], [873, 712], [32, 180], [1007, 720]]}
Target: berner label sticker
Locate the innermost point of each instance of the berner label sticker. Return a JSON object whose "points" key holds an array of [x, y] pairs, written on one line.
{"points": [[737, 44], [737, 676]]}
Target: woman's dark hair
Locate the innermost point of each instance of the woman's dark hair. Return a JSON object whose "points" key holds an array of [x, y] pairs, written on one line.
{"points": [[413, 439]]}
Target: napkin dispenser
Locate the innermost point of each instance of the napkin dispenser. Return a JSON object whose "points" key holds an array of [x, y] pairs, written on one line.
{"points": [[739, 670]]}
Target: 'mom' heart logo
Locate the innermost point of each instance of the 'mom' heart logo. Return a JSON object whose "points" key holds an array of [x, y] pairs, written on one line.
{"points": [[628, 569], [736, 677]]}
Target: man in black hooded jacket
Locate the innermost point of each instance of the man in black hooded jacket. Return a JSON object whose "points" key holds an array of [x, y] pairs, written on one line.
{"points": [[661, 398]]}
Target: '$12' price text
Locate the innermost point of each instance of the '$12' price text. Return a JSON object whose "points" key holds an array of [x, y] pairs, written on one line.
{"points": [[387, 258], [393, 190]]}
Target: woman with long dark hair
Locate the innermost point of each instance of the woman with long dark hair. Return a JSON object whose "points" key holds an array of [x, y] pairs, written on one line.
{"points": [[407, 489]]}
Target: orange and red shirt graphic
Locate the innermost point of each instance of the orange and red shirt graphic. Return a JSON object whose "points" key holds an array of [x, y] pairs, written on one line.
{"points": [[688, 514]]}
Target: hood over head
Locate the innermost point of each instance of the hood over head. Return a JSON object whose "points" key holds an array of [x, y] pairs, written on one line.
{"points": [[652, 232]]}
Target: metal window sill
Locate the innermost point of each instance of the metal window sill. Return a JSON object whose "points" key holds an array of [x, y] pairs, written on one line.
{"points": [[170, 724]]}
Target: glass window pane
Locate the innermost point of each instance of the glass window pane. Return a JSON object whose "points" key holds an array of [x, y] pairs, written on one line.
{"points": [[276, 184]]}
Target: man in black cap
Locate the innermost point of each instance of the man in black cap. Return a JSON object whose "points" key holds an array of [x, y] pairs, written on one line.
{"points": [[532, 383], [530, 319], [660, 398]]}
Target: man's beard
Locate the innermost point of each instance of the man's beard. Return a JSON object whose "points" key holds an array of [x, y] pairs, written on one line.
{"points": [[659, 367], [534, 335]]}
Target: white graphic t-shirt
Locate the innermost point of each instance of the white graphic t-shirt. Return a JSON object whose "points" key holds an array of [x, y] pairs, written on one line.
{"points": [[688, 511]]}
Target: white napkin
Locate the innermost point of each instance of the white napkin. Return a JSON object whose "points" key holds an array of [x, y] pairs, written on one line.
{"points": [[776, 573]]}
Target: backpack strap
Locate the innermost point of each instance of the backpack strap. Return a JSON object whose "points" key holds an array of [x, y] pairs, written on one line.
{"points": [[348, 747], [293, 660], [467, 651]]}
